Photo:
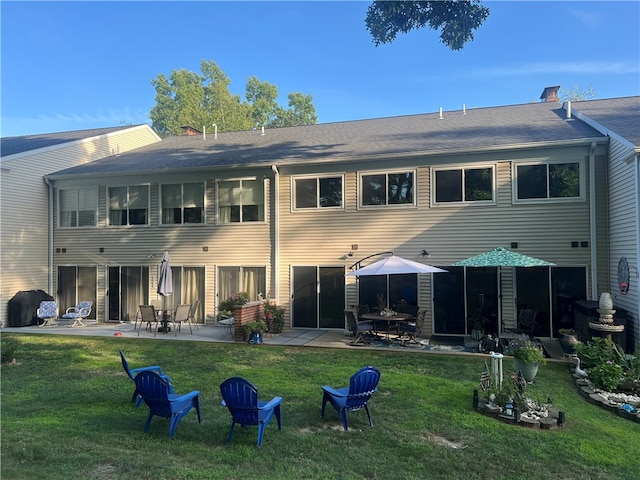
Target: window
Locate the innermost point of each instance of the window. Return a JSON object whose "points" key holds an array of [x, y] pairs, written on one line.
{"points": [[464, 185], [321, 192], [548, 180], [252, 280], [182, 203], [240, 201], [129, 205], [77, 207], [387, 189]]}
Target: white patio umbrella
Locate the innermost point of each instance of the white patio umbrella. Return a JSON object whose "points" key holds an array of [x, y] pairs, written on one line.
{"points": [[165, 284], [394, 265]]}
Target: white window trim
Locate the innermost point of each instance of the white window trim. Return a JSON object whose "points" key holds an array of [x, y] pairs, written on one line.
{"points": [[148, 224], [59, 205], [514, 182], [204, 205], [413, 204], [294, 208], [494, 185], [264, 201]]}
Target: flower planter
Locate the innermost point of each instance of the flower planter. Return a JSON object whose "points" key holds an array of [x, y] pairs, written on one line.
{"points": [[529, 370], [255, 338]]}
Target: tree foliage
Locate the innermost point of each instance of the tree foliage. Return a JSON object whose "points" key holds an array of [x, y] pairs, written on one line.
{"points": [[204, 99], [576, 94], [456, 20]]}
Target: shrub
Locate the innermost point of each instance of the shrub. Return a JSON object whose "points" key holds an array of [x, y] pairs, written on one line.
{"points": [[597, 351], [274, 317], [240, 298], [9, 347], [606, 376]]}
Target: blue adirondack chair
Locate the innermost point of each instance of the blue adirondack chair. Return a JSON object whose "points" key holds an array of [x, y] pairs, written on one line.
{"points": [[79, 313], [133, 372], [354, 397], [48, 313], [240, 396], [156, 393]]}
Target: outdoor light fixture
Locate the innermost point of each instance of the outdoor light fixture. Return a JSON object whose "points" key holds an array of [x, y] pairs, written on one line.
{"points": [[424, 253]]}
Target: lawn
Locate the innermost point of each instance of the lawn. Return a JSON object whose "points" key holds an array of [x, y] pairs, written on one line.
{"points": [[67, 414]]}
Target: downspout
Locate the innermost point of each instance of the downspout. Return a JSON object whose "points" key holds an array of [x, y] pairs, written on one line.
{"points": [[276, 233], [592, 221], [50, 236]]}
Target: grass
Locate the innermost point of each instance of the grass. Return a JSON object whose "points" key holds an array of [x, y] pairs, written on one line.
{"points": [[66, 413]]}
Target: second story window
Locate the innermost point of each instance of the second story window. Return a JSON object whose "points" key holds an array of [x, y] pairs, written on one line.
{"points": [[240, 201], [129, 205], [548, 181], [387, 189], [182, 203], [464, 185], [77, 207], [323, 192]]}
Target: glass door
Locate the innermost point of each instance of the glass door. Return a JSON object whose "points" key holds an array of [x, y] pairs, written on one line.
{"points": [[532, 292], [128, 289], [482, 298], [76, 284], [448, 302], [318, 297]]}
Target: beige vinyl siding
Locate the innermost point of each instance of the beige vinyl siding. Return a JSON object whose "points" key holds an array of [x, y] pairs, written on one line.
{"points": [[623, 217], [246, 244], [25, 205]]}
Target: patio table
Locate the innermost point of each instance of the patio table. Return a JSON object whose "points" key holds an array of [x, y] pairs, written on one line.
{"points": [[377, 318]]}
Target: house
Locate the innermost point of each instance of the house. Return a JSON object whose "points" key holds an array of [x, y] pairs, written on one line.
{"points": [[286, 212], [26, 259]]}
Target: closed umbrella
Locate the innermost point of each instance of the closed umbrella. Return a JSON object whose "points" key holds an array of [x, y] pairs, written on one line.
{"points": [[165, 285], [394, 265]]}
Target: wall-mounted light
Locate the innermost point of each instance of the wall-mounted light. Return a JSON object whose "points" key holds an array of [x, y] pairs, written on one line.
{"points": [[424, 253], [151, 256], [205, 249]]}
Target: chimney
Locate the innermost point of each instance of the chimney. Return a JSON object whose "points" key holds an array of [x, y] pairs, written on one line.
{"points": [[189, 130], [550, 94]]}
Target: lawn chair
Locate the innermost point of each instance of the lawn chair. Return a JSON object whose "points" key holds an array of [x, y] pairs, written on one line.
{"points": [[193, 313], [411, 329], [79, 313], [48, 313], [182, 315], [133, 372], [358, 328], [240, 396], [354, 397], [149, 316], [157, 393]]}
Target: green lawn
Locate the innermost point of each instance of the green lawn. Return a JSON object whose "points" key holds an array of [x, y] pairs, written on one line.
{"points": [[66, 414]]}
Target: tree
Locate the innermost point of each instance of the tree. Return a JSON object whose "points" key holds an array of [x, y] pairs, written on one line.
{"points": [[456, 19], [201, 100], [576, 94]]}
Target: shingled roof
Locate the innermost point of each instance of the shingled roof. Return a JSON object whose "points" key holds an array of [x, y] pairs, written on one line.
{"points": [[27, 143], [617, 115]]}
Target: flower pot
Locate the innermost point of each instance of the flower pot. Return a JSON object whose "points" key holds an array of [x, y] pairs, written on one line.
{"points": [[529, 370], [255, 337], [477, 334]]}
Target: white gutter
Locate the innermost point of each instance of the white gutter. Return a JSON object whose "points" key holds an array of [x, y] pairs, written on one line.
{"points": [[50, 237], [276, 233], [592, 221]]}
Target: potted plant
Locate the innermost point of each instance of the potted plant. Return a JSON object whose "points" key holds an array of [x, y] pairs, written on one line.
{"points": [[273, 317], [527, 356], [254, 330], [237, 299], [477, 327], [568, 341]]}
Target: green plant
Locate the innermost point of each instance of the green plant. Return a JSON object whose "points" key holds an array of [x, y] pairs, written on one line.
{"points": [[478, 323], [596, 351], [525, 350], [226, 306], [255, 327], [274, 317], [606, 376], [8, 348]]}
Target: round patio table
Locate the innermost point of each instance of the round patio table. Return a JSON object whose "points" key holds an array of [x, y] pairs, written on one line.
{"points": [[377, 318]]}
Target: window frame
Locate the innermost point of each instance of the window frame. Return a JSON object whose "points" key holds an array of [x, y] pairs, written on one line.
{"points": [[92, 189], [318, 178], [182, 204], [128, 209], [239, 278], [387, 173], [242, 221], [547, 162], [463, 169]]}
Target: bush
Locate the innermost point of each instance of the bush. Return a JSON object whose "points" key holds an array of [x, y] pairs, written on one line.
{"points": [[240, 298], [596, 352], [9, 347], [274, 317], [606, 376]]}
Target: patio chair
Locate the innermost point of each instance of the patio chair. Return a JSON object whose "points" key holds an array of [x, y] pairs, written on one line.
{"points": [[48, 313], [240, 396], [157, 393], [526, 322], [149, 316], [354, 397], [180, 316], [226, 322], [411, 329], [194, 312], [79, 313], [358, 328], [135, 371]]}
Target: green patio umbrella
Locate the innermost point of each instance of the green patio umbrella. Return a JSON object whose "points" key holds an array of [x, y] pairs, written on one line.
{"points": [[502, 257]]}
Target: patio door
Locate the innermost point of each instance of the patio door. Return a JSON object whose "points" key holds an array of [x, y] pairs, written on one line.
{"points": [[76, 284], [318, 297], [482, 297], [448, 302], [128, 288], [532, 292]]}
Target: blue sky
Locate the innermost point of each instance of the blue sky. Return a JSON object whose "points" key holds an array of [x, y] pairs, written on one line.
{"points": [[76, 65]]}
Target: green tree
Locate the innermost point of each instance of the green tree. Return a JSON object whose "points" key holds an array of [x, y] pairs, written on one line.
{"points": [[456, 20], [576, 94], [203, 99]]}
